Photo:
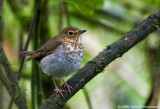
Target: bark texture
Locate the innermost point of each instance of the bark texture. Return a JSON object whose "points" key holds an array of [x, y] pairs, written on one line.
{"points": [[15, 90]]}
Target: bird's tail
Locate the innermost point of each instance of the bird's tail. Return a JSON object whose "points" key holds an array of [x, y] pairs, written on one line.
{"points": [[26, 53]]}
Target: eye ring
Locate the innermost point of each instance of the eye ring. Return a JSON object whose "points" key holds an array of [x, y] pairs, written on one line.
{"points": [[70, 33]]}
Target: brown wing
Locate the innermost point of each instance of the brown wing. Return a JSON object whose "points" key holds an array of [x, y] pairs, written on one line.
{"points": [[46, 48]]}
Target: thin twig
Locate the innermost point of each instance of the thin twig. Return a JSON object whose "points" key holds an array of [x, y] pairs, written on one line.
{"points": [[20, 47], [29, 37], [97, 65]]}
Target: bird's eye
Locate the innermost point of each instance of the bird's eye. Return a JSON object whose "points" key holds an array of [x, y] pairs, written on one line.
{"points": [[70, 33]]}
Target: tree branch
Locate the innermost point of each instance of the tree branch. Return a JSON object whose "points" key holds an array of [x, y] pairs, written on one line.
{"points": [[97, 65], [18, 98]]}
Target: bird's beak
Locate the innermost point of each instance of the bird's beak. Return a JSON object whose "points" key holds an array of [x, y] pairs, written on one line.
{"points": [[82, 31]]}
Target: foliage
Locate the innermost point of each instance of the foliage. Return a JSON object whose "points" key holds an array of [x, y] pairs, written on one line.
{"points": [[87, 7]]}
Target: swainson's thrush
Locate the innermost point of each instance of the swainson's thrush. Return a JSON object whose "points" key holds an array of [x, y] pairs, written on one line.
{"points": [[60, 56]]}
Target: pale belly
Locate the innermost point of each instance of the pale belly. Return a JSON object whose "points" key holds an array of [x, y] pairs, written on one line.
{"points": [[60, 63]]}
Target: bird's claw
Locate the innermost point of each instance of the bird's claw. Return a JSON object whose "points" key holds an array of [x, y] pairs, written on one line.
{"points": [[68, 87], [57, 90]]}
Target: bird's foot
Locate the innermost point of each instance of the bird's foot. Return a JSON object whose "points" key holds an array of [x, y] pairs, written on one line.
{"points": [[68, 87], [57, 90]]}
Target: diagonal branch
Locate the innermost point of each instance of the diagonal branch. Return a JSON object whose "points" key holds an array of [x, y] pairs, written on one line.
{"points": [[18, 98], [97, 65]]}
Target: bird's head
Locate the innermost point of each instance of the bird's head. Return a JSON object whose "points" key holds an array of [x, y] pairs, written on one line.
{"points": [[71, 33]]}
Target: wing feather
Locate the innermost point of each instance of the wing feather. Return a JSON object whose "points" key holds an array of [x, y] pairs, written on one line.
{"points": [[46, 48]]}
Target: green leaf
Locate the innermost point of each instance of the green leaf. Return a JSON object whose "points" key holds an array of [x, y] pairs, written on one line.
{"points": [[86, 7]]}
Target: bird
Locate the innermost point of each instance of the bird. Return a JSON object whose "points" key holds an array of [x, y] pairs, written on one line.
{"points": [[60, 56]]}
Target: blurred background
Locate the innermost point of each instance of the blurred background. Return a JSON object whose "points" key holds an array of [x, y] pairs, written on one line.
{"points": [[132, 79]]}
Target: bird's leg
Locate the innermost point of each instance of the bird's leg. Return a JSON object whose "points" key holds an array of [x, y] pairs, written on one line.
{"points": [[57, 90], [68, 86]]}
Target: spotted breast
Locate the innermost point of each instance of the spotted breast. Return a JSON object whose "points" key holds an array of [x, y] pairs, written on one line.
{"points": [[65, 60]]}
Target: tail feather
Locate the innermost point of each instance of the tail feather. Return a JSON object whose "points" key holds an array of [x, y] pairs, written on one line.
{"points": [[26, 53]]}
